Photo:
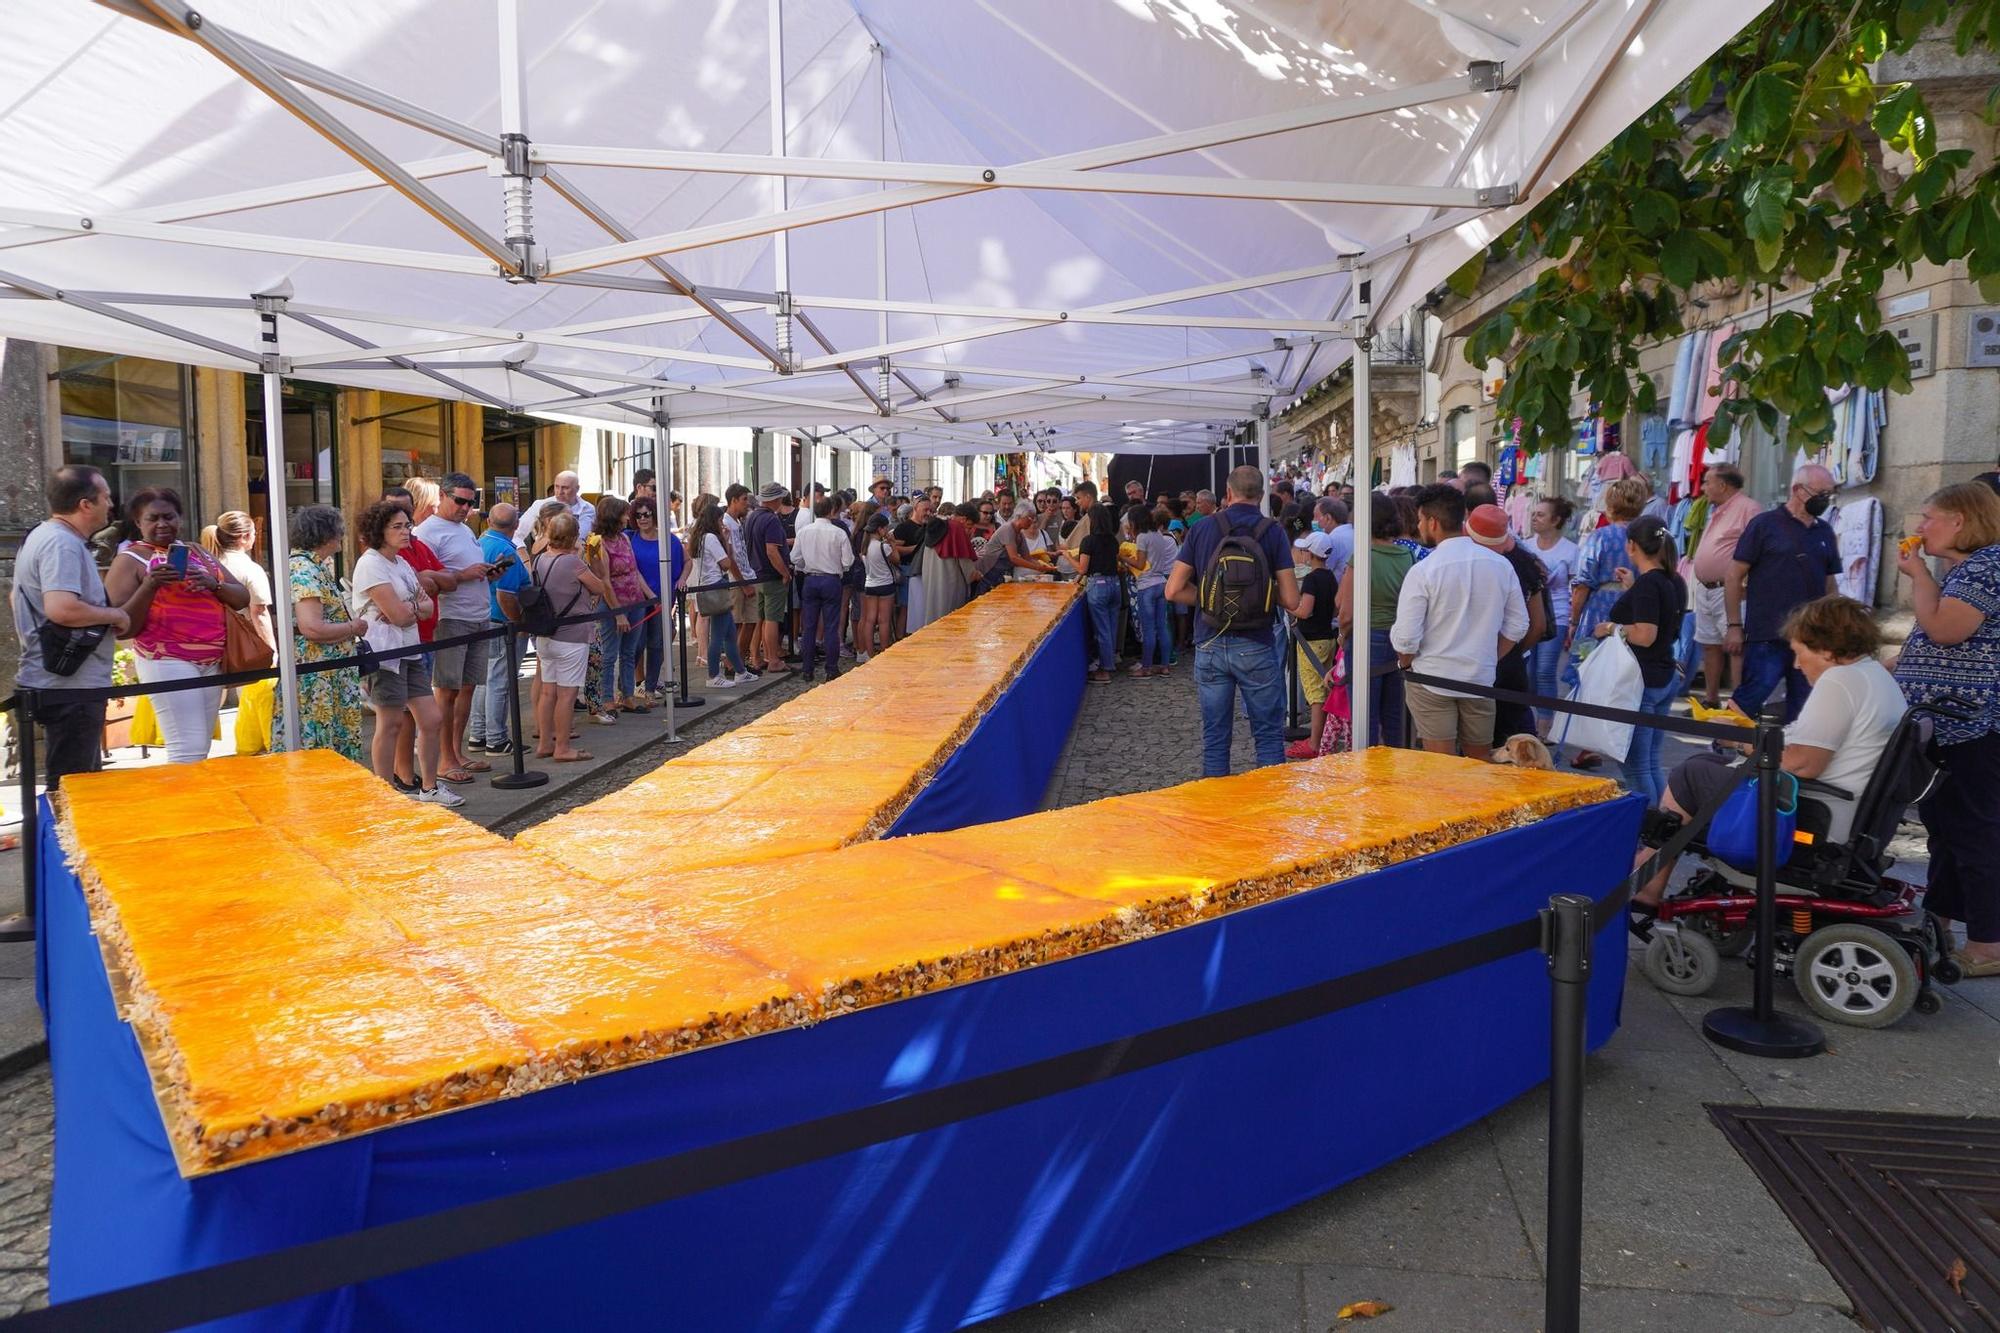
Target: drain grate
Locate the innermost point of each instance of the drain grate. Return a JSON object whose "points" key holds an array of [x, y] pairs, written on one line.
{"points": [[1904, 1210]]}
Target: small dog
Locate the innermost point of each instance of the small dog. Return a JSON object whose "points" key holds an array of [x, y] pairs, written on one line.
{"points": [[1525, 750]]}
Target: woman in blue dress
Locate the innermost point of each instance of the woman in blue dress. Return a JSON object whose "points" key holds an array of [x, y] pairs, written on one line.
{"points": [[1594, 588]]}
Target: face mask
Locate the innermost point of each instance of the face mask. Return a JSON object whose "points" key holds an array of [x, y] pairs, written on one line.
{"points": [[1300, 571], [1818, 505]]}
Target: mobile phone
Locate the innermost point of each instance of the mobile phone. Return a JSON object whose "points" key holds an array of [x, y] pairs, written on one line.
{"points": [[177, 557], [500, 565]]}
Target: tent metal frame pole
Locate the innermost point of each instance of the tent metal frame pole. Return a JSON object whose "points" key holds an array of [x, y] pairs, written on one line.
{"points": [[1018, 177], [1162, 145], [254, 70], [100, 308], [1584, 90], [1358, 664], [290, 247], [277, 523], [781, 260], [663, 466]]}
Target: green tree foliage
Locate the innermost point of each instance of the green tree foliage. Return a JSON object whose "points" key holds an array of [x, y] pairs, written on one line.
{"points": [[1782, 186]]}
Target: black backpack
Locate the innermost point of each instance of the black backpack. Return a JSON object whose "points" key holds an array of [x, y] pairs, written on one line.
{"points": [[538, 613], [1238, 591]]}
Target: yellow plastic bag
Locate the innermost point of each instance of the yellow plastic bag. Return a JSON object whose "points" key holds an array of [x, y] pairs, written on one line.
{"points": [[146, 725], [255, 705]]}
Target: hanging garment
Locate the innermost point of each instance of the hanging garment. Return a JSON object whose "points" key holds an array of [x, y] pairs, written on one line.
{"points": [[1677, 391], [1653, 444], [1698, 459], [1857, 527], [1507, 470], [1680, 465], [1520, 505], [1403, 465]]}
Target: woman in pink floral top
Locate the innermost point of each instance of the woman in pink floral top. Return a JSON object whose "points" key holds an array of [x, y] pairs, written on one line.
{"points": [[618, 641]]}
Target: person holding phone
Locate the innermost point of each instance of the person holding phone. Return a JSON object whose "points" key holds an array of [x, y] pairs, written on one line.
{"points": [[391, 601], [176, 595]]}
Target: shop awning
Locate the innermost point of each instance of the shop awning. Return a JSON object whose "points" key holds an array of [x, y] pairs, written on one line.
{"points": [[1113, 225]]}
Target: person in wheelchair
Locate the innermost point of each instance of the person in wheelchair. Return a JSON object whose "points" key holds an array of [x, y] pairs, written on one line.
{"points": [[1838, 739]]}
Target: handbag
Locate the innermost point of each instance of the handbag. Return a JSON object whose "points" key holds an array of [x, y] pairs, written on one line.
{"points": [[65, 648], [1732, 833], [243, 648], [713, 601]]}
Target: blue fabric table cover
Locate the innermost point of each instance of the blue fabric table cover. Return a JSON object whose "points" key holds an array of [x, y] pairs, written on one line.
{"points": [[1003, 766], [935, 1230]]}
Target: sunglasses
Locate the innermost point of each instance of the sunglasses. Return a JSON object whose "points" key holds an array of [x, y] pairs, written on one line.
{"points": [[463, 501]]}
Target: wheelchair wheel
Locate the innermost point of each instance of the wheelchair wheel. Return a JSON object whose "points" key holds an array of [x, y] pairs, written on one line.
{"points": [[1682, 962], [1929, 1003], [1855, 975]]}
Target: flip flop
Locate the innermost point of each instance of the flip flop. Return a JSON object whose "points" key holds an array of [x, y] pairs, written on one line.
{"points": [[456, 776], [477, 766], [1977, 967], [576, 757]]}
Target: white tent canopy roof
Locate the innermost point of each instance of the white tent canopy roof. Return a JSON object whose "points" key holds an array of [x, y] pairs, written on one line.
{"points": [[1118, 225]]}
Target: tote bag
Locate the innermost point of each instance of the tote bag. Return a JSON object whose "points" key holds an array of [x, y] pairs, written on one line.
{"points": [[1610, 678]]}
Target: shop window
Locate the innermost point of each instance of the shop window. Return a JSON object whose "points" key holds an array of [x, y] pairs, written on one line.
{"points": [[510, 459], [415, 433], [307, 423], [1461, 438], [130, 418]]}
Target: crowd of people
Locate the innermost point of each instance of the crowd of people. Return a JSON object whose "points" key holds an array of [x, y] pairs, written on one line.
{"points": [[1256, 588]]}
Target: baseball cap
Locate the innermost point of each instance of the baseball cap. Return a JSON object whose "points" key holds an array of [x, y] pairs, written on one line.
{"points": [[1317, 542], [772, 490], [1487, 525]]}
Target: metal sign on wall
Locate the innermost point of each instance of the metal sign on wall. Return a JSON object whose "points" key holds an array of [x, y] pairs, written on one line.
{"points": [[1982, 336], [1918, 335]]}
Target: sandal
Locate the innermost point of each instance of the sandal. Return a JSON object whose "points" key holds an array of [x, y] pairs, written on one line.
{"points": [[1976, 967], [456, 776], [573, 757], [478, 765]]}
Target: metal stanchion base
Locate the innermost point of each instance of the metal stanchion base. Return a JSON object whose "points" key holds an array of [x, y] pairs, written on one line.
{"points": [[519, 781], [1775, 1038], [17, 930]]}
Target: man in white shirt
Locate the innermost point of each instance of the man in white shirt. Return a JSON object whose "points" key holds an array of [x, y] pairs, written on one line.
{"points": [[569, 495], [737, 500], [457, 672], [1459, 613], [821, 553]]}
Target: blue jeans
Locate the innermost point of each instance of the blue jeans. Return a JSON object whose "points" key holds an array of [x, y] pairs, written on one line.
{"points": [[652, 648], [1223, 665], [1546, 671], [1765, 663], [819, 628], [1100, 594], [1643, 773], [722, 639], [1385, 694], [1153, 641], [489, 723], [620, 650]]}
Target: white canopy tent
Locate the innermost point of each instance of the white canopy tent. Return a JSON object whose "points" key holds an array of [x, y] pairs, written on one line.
{"points": [[950, 224]]}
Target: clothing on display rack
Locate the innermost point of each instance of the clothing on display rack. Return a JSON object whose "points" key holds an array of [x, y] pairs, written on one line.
{"points": [[1653, 444], [1403, 465], [1857, 528]]}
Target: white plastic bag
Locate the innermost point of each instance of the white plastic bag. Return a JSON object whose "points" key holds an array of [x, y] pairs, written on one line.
{"points": [[1610, 678]]}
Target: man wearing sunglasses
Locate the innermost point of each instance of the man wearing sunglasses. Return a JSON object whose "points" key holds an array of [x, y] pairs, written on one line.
{"points": [[463, 609], [1786, 557]]}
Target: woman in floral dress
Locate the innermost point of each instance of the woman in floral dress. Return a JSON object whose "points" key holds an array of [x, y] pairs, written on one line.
{"points": [[322, 628]]}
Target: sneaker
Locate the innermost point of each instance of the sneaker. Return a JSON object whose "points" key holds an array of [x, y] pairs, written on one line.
{"points": [[407, 788], [504, 750], [475, 745], [1100, 678], [721, 683], [439, 795]]}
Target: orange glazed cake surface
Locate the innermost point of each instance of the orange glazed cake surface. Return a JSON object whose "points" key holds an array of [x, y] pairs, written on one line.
{"points": [[335, 958]]}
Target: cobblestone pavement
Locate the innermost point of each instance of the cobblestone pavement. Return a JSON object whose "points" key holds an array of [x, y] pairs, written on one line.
{"points": [[26, 1167], [1138, 735]]}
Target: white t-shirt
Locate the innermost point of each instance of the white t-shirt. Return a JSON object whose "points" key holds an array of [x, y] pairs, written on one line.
{"points": [[1454, 607], [734, 527], [1851, 711], [1560, 560], [372, 570], [453, 543], [708, 565], [880, 574]]}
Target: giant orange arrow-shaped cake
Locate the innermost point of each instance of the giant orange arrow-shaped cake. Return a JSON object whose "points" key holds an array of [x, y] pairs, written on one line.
{"points": [[306, 955]]}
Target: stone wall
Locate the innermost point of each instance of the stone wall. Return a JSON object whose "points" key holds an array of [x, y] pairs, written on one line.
{"points": [[24, 452]]}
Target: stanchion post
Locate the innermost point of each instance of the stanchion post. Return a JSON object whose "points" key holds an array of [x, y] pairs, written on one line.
{"points": [[1294, 690], [521, 777], [23, 928], [680, 628], [1760, 1029], [1566, 941]]}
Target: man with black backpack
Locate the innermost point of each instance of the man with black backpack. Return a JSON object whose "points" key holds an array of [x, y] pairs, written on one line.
{"points": [[1235, 569]]}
